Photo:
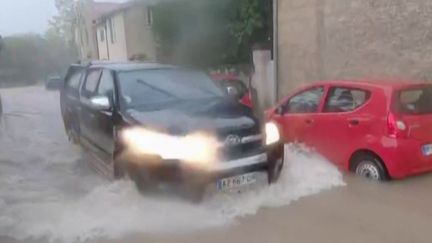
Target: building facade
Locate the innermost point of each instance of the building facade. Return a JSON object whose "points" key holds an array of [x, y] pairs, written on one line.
{"points": [[356, 39], [86, 13], [126, 33]]}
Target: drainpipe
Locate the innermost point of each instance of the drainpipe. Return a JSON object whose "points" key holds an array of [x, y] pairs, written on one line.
{"points": [[275, 50], [106, 39]]}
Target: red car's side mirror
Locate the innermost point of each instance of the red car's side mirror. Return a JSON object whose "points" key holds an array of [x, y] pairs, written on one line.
{"points": [[279, 110]]}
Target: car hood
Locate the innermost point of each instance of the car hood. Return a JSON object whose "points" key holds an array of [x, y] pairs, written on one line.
{"points": [[217, 115]]}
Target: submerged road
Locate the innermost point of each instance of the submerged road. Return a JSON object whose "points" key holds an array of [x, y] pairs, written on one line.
{"points": [[48, 193]]}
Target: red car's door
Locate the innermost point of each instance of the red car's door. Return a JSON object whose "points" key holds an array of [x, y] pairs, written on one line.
{"points": [[296, 116], [342, 124]]}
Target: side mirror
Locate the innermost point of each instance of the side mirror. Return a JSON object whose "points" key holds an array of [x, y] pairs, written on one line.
{"points": [[101, 103], [232, 91], [279, 111]]}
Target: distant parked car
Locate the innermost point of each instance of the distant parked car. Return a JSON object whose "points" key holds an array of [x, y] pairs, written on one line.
{"points": [[53, 83], [234, 87], [377, 130]]}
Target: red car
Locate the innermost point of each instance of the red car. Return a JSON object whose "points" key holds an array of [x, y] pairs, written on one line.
{"points": [[232, 84], [377, 130]]}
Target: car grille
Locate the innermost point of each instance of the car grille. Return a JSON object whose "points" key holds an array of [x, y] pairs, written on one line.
{"points": [[228, 153]]}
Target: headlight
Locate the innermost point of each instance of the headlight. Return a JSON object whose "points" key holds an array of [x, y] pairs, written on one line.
{"points": [[271, 133], [195, 148]]}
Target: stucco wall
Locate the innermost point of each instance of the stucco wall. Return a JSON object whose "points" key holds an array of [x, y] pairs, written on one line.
{"points": [[355, 39], [139, 33]]}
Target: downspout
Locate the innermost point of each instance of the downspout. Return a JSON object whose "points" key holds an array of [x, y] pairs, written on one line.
{"points": [[275, 50], [106, 39]]}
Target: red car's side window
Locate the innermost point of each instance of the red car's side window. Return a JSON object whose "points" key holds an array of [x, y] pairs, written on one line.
{"points": [[307, 101], [343, 99]]}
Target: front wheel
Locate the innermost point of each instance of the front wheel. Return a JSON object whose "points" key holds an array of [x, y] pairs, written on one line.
{"points": [[275, 171], [370, 167]]}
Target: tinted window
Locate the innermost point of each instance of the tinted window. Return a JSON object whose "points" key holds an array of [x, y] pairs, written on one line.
{"points": [[305, 102], [91, 83], [106, 84], [73, 82], [415, 101], [147, 87], [345, 99]]}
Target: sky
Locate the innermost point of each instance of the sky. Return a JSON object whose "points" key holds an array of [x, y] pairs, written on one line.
{"points": [[24, 16]]}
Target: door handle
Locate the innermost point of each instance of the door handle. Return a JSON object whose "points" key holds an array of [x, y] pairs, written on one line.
{"points": [[354, 122], [309, 121]]}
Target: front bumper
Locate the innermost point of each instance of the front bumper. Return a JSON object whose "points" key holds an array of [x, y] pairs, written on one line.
{"points": [[175, 171]]}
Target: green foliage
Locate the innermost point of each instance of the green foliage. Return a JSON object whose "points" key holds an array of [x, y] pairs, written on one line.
{"points": [[208, 33], [28, 58], [61, 25]]}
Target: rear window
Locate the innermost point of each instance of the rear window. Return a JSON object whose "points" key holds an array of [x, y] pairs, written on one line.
{"points": [[415, 100]]}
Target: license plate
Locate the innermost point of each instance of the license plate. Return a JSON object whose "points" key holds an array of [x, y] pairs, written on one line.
{"points": [[427, 149], [236, 181]]}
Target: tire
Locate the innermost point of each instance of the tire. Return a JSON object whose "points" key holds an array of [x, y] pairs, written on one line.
{"points": [[73, 134], [369, 166], [275, 171], [140, 177]]}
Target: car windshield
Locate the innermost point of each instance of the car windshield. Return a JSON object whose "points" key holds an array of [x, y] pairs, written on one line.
{"points": [[415, 100], [161, 86]]}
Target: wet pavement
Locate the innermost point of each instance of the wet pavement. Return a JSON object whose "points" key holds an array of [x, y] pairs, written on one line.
{"points": [[48, 193]]}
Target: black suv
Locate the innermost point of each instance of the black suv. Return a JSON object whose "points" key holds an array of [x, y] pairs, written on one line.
{"points": [[164, 124]]}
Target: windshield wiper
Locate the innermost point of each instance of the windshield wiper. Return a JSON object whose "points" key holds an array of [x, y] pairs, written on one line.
{"points": [[140, 81]]}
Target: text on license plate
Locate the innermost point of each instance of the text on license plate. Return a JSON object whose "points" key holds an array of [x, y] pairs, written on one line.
{"points": [[427, 149], [236, 181]]}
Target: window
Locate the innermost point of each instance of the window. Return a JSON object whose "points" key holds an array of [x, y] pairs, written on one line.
{"points": [[415, 100], [149, 16], [111, 25], [106, 84], [73, 82], [305, 102], [91, 83], [342, 99], [102, 35]]}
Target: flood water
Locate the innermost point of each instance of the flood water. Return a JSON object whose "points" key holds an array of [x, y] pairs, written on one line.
{"points": [[48, 192]]}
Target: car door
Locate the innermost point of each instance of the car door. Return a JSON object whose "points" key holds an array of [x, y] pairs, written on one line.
{"points": [[103, 120], [342, 123], [70, 100], [297, 115], [86, 114]]}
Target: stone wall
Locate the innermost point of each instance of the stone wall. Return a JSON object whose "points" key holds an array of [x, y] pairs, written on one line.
{"points": [[353, 39]]}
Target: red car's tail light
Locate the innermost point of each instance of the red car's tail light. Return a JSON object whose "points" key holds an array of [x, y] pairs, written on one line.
{"points": [[396, 127]]}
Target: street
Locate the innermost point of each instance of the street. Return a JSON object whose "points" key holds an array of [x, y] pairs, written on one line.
{"points": [[47, 192]]}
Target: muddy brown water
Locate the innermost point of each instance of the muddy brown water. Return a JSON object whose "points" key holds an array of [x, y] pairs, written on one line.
{"points": [[46, 191]]}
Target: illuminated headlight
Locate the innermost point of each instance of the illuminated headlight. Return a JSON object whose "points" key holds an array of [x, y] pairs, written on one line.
{"points": [[195, 148], [271, 133]]}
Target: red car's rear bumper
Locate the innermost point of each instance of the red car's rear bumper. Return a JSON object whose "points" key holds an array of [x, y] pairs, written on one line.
{"points": [[404, 157]]}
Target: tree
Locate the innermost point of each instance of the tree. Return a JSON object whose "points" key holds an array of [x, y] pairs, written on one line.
{"points": [[28, 58], [61, 25], [208, 33], [1, 43]]}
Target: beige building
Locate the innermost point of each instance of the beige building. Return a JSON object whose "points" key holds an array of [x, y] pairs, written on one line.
{"points": [[86, 13], [126, 32], [355, 39]]}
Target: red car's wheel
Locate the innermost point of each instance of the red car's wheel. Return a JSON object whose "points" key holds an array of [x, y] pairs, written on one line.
{"points": [[369, 166]]}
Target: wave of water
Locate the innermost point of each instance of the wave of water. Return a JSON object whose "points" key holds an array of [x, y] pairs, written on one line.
{"points": [[47, 192]]}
